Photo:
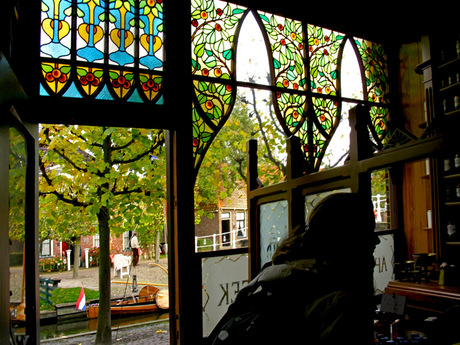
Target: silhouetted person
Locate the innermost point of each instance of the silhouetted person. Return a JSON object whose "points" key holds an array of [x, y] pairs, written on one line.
{"points": [[318, 289], [135, 248]]}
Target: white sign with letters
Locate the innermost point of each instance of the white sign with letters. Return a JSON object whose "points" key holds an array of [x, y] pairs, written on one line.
{"points": [[222, 278]]}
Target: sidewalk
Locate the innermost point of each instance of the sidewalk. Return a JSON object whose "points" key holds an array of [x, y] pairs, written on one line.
{"points": [[152, 334]]}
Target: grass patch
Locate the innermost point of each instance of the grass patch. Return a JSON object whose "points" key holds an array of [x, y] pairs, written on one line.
{"points": [[61, 295]]}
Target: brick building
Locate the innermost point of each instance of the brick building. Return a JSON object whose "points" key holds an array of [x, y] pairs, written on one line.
{"points": [[223, 226], [53, 248]]}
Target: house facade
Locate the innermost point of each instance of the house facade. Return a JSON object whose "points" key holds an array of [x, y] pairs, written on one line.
{"points": [[119, 244], [223, 226]]}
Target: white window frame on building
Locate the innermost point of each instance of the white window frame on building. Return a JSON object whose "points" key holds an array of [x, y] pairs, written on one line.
{"points": [[96, 240], [241, 224], [46, 247], [127, 240]]}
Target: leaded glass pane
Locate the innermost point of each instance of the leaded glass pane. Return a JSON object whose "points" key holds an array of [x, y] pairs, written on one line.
{"points": [[121, 32], [214, 24], [324, 47], [252, 62], [351, 79], [55, 28], [95, 33], [90, 32], [379, 119], [287, 46], [315, 134], [213, 27], [151, 36], [375, 68]]}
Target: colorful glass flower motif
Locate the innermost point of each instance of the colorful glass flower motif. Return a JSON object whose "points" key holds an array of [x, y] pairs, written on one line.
{"points": [[287, 47], [151, 85], [375, 70], [103, 29], [91, 79], [56, 76], [121, 83], [213, 26], [213, 33], [323, 48]]}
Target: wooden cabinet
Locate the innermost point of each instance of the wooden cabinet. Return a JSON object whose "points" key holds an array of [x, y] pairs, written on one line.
{"points": [[446, 53]]}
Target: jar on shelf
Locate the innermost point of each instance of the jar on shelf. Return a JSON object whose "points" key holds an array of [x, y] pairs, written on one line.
{"points": [[447, 166], [451, 229], [457, 162]]}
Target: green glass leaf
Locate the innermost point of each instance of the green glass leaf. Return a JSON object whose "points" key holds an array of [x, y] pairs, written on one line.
{"points": [[65, 69], [98, 73], [199, 50], [47, 68], [227, 54], [81, 72]]}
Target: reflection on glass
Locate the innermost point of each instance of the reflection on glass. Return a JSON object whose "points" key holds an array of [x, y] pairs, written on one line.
{"points": [[312, 199], [381, 199], [273, 228], [17, 164]]}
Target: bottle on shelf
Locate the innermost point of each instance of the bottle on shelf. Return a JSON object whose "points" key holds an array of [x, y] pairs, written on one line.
{"points": [[457, 163], [451, 229], [447, 166]]}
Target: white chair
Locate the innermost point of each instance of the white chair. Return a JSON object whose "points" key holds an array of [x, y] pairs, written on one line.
{"points": [[121, 263]]}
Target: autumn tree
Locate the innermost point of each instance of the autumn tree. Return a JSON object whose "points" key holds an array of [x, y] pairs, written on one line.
{"points": [[112, 178], [224, 166]]}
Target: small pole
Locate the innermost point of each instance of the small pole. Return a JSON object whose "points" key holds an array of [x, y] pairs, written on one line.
{"points": [[68, 251], [134, 289], [86, 259]]}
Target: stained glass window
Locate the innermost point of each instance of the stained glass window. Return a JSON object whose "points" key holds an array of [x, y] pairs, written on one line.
{"points": [[213, 27], [113, 50], [110, 50], [305, 63]]}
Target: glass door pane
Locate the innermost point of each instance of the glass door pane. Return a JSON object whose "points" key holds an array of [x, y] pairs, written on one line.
{"points": [[273, 228]]}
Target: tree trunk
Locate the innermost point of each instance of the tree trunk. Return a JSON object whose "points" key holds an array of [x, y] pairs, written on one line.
{"points": [[76, 258], [104, 322]]}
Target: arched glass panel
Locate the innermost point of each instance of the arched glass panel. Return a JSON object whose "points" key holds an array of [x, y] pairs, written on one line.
{"points": [[252, 63], [375, 68], [287, 45], [324, 49], [351, 87]]}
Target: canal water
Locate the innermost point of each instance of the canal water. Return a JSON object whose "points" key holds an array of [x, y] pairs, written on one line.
{"points": [[76, 327]]}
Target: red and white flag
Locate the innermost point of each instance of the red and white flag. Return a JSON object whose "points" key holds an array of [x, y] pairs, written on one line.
{"points": [[81, 302]]}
